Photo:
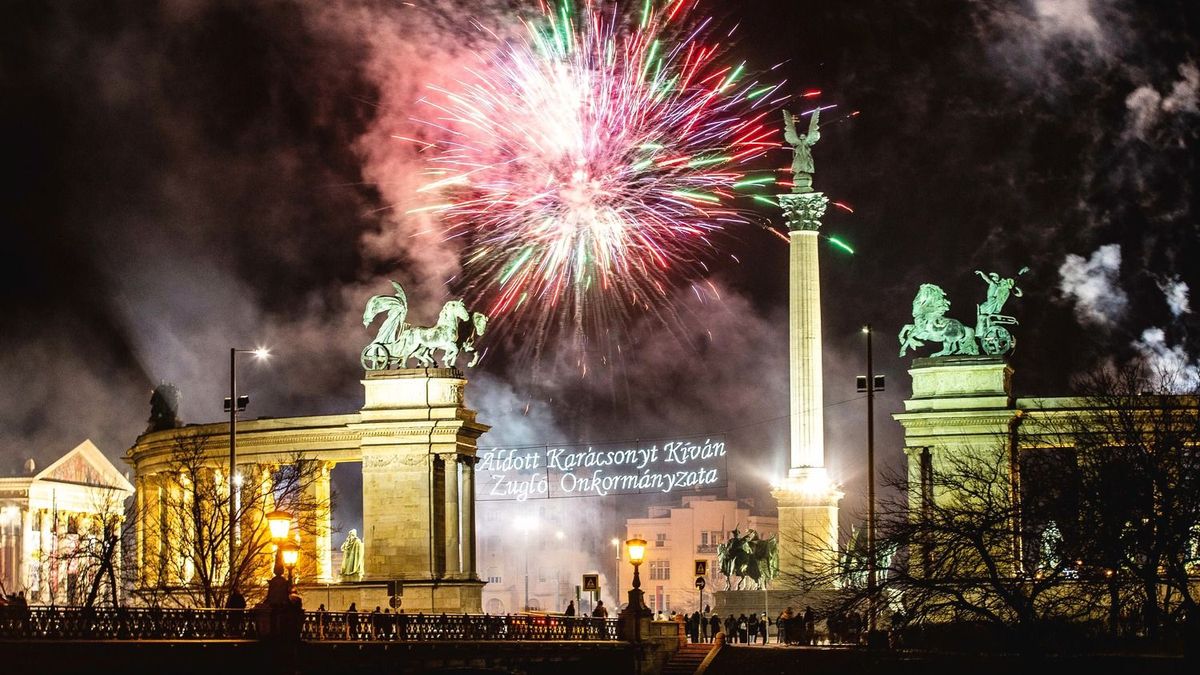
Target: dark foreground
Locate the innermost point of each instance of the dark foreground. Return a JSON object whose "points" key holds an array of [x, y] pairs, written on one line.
{"points": [[855, 661], [528, 658]]}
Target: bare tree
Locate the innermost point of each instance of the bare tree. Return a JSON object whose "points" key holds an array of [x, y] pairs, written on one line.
{"points": [[1137, 442], [90, 549], [186, 557], [951, 549]]}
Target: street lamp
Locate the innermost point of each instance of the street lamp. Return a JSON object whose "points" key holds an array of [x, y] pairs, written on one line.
{"points": [[526, 524], [233, 405], [870, 384], [279, 523], [290, 552], [617, 580], [637, 553], [560, 536]]}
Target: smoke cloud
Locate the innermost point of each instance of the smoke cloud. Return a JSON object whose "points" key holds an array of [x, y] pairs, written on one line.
{"points": [[1169, 360], [1093, 284], [1150, 111], [1176, 293]]}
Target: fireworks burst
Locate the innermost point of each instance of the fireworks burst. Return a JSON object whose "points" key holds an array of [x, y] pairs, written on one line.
{"points": [[588, 163]]}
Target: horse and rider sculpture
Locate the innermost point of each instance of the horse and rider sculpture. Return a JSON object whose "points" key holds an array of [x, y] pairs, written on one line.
{"points": [[398, 341], [749, 558]]}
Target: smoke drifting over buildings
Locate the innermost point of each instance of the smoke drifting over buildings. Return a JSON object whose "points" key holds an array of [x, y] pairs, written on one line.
{"points": [[199, 175]]}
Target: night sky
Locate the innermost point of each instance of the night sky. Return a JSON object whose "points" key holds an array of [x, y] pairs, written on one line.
{"points": [[185, 176]]}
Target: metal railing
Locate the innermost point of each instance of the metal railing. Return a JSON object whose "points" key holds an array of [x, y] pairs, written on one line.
{"points": [[426, 627], [127, 623]]}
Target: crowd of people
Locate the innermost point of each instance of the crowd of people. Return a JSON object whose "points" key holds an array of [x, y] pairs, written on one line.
{"points": [[790, 627]]}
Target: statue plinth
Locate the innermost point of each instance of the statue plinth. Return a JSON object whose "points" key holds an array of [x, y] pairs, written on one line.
{"points": [[808, 525], [960, 383], [418, 458]]}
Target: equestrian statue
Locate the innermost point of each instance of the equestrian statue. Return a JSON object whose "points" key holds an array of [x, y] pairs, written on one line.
{"points": [[749, 557]]}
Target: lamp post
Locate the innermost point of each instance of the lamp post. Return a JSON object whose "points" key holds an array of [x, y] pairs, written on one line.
{"points": [[617, 579], [526, 524], [279, 523], [559, 536], [290, 553], [870, 384], [235, 404], [636, 549]]}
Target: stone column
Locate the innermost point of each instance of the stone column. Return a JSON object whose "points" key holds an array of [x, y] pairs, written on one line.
{"points": [[808, 511], [807, 397], [46, 546], [139, 510], [468, 516], [451, 545], [323, 541], [23, 550]]}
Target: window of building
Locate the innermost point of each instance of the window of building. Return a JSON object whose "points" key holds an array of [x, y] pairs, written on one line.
{"points": [[542, 574], [660, 569], [660, 539], [704, 538]]}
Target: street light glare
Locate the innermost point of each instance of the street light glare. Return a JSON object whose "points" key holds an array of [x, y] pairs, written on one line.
{"points": [[261, 353]]}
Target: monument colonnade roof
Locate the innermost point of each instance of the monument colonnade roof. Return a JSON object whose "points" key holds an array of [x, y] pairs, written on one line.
{"points": [[330, 438]]}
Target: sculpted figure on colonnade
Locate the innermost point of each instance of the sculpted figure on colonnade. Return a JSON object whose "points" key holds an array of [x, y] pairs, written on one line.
{"points": [[398, 341], [352, 557]]}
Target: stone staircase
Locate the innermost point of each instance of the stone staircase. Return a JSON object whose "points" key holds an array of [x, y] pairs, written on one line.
{"points": [[688, 659]]}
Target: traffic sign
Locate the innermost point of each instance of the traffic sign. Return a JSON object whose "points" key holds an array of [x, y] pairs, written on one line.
{"points": [[700, 583], [591, 582], [701, 568]]}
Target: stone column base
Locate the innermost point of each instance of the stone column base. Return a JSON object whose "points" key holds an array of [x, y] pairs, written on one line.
{"points": [[808, 529]]}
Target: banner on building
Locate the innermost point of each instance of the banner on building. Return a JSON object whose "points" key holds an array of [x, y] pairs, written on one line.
{"points": [[600, 469]]}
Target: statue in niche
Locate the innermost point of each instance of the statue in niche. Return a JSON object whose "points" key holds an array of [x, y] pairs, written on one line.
{"points": [[352, 557], [1051, 549], [803, 166]]}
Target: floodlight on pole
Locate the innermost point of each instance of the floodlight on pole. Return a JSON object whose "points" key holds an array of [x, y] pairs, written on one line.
{"points": [[870, 384], [235, 404]]}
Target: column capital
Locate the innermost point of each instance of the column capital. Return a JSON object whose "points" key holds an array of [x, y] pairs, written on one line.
{"points": [[803, 211]]}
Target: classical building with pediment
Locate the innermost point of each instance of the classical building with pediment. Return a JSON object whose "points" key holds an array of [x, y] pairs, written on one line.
{"points": [[53, 522]]}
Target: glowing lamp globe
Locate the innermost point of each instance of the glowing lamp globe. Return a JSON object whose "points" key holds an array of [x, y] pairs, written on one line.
{"points": [[637, 550], [291, 554], [279, 522]]}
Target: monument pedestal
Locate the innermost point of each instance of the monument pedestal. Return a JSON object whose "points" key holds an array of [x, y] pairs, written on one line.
{"points": [[418, 466], [808, 528], [771, 602]]}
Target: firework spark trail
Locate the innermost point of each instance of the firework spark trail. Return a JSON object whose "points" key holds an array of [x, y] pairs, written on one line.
{"points": [[589, 163]]}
